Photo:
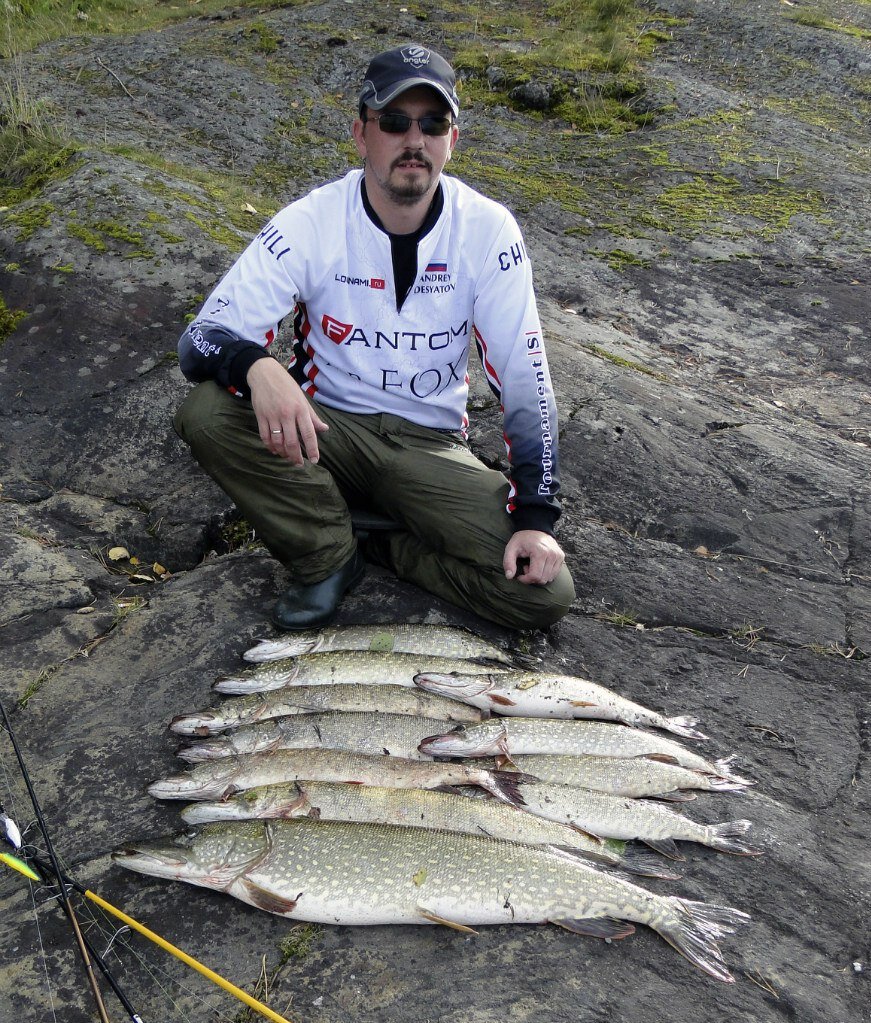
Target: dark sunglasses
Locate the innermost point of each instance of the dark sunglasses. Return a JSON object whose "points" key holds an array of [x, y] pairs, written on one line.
{"points": [[394, 123]]}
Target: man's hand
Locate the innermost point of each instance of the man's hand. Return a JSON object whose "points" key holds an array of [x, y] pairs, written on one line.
{"points": [[532, 557], [288, 424]]}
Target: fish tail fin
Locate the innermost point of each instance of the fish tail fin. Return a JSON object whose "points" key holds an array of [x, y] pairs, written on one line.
{"points": [[728, 783], [729, 837], [685, 726], [504, 785], [724, 770], [693, 929]]}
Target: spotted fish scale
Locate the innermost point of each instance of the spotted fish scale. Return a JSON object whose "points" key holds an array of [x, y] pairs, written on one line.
{"points": [[340, 873]]}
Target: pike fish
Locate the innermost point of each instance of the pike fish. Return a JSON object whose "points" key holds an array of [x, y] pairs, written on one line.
{"points": [[606, 816], [342, 666], [431, 640], [542, 695], [623, 776], [340, 873], [417, 808], [219, 779], [246, 710], [396, 735], [511, 736]]}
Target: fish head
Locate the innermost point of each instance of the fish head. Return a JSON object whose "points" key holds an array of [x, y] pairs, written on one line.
{"points": [[203, 722], [485, 740], [453, 684], [278, 649], [213, 857], [211, 780]]}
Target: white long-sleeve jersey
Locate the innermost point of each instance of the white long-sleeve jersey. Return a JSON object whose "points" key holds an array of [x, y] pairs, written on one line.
{"points": [[326, 259]]}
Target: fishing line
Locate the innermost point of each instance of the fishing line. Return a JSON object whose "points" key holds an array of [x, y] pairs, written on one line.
{"points": [[167, 946], [83, 952], [43, 955], [163, 980]]}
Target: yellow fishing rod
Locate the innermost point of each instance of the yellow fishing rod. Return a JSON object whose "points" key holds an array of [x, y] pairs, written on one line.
{"points": [[167, 946]]}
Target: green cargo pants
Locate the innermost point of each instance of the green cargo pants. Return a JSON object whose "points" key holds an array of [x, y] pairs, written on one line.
{"points": [[449, 505]]}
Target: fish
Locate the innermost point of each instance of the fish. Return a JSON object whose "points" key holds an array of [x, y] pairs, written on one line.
{"points": [[419, 808], [514, 736], [431, 640], [622, 776], [369, 874], [539, 694], [605, 816], [219, 779], [342, 666], [246, 710], [371, 732]]}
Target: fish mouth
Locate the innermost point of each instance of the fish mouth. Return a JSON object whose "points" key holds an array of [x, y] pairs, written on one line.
{"points": [[158, 860]]}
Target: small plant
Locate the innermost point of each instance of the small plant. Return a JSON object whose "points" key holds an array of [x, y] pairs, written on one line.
{"points": [[747, 635], [622, 619], [126, 606]]}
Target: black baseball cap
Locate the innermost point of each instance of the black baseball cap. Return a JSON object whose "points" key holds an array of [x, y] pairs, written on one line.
{"points": [[403, 67]]}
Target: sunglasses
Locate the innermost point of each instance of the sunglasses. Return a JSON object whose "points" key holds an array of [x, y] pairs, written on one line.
{"points": [[394, 123]]}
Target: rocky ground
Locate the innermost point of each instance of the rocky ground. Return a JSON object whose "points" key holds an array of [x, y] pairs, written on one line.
{"points": [[704, 286]]}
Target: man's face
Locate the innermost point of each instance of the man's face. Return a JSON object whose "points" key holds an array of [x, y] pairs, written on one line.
{"points": [[405, 167]]}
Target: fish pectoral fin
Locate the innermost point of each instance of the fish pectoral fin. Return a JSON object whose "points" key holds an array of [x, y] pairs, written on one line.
{"points": [[675, 796], [263, 899], [502, 701], [581, 703], [664, 846], [660, 758], [607, 927], [587, 834], [443, 920]]}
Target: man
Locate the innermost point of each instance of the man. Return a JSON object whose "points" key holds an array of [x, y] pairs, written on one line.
{"points": [[391, 271]]}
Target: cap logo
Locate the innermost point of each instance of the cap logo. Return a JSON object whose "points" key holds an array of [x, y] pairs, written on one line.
{"points": [[415, 55]]}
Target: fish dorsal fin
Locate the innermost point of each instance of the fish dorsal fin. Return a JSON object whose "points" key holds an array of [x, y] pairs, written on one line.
{"points": [[606, 927], [436, 919], [263, 899]]}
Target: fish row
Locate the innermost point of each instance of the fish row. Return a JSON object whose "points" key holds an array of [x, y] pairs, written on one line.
{"points": [[318, 797]]}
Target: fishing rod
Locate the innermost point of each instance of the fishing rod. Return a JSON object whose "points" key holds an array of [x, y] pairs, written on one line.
{"points": [[64, 895], [167, 946], [95, 955]]}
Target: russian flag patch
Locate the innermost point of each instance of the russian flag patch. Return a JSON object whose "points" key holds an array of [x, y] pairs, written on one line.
{"points": [[436, 268]]}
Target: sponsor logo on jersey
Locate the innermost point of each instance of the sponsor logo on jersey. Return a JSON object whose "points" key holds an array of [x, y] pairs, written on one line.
{"points": [[378, 283], [334, 329]]}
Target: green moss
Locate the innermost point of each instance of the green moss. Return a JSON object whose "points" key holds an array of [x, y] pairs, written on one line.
{"points": [[262, 38], [218, 232], [9, 319], [619, 259], [618, 360], [703, 202], [31, 218], [91, 238], [816, 19]]}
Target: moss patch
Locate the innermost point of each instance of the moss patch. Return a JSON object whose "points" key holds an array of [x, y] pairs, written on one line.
{"points": [[31, 218], [9, 319]]}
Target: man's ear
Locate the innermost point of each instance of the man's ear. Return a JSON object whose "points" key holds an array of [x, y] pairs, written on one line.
{"points": [[357, 129]]}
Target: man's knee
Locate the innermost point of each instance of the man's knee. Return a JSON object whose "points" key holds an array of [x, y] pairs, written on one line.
{"points": [[519, 606]]}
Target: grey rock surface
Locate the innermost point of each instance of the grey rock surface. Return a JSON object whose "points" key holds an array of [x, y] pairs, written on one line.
{"points": [[704, 287]]}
